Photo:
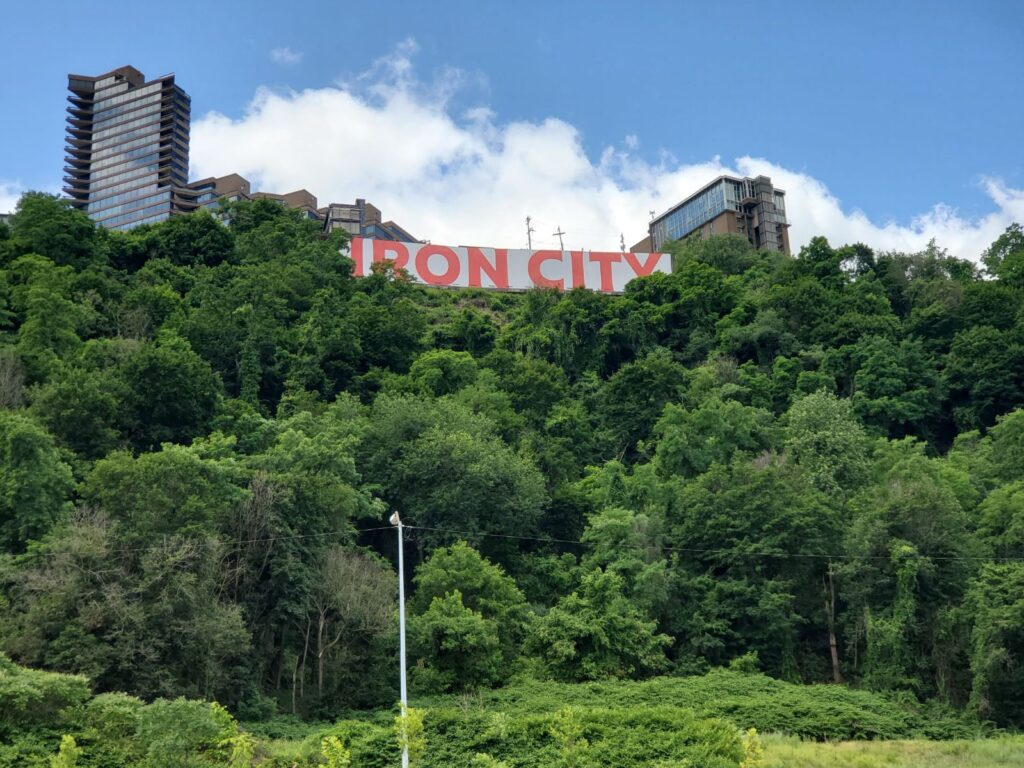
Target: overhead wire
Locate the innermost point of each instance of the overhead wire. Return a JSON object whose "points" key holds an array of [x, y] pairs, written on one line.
{"points": [[550, 540], [714, 551], [174, 541]]}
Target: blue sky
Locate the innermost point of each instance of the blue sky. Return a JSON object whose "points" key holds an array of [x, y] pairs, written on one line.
{"points": [[883, 109]]}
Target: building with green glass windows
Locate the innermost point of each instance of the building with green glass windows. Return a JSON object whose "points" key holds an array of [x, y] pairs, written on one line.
{"points": [[126, 159]]}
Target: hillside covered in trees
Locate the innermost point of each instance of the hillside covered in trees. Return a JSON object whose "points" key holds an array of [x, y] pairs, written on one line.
{"points": [[812, 466]]}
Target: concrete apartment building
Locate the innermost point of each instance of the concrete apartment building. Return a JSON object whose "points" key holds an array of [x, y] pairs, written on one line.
{"points": [[363, 219], [211, 191], [360, 219], [126, 159], [751, 207]]}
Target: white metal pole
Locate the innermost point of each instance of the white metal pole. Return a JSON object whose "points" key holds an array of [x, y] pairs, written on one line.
{"points": [[397, 521]]}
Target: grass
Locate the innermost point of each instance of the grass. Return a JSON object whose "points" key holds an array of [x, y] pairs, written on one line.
{"points": [[790, 752]]}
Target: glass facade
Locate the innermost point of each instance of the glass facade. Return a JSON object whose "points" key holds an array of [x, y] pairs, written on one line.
{"points": [[693, 213], [127, 147], [759, 213]]}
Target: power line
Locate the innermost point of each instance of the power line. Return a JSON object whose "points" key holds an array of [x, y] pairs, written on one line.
{"points": [[170, 541], [538, 539], [699, 551]]}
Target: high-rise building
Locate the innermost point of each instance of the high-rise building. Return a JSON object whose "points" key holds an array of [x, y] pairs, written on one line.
{"points": [[127, 161], [127, 148], [750, 207]]}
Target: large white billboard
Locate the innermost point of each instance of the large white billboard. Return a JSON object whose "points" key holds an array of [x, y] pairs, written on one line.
{"points": [[505, 269]]}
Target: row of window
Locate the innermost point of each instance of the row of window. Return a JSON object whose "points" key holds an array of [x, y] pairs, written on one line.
{"points": [[147, 220], [126, 131], [140, 117], [147, 137], [102, 105], [106, 82], [112, 116], [117, 181], [102, 203], [691, 215], [118, 172], [162, 205], [126, 156]]}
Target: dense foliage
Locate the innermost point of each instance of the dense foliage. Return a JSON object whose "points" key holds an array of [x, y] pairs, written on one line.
{"points": [[661, 722], [813, 465]]}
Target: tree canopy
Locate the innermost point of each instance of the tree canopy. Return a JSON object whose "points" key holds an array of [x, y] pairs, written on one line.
{"points": [[814, 461]]}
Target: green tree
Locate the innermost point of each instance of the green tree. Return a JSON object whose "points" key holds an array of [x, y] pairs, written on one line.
{"points": [[82, 408], [35, 483], [1005, 257], [909, 552], [752, 536], [483, 587], [173, 393], [456, 646], [52, 227], [996, 607], [630, 545], [635, 396], [197, 240], [597, 632], [896, 387], [411, 735], [181, 734], [50, 318], [334, 752], [487, 487], [825, 438], [690, 441], [982, 373], [67, 756], [443, 372]]}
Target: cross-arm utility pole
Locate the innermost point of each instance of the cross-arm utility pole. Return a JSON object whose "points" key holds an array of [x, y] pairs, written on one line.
{"points": [[529, 233], [559, 234]]}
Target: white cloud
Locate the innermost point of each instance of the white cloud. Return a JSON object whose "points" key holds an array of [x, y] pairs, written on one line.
{"points": [[10, 192], [470, 178], [286, 56]]}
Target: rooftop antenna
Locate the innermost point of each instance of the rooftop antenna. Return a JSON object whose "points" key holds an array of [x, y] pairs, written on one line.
{"points": [[651, 214], [529, 232], [559, 234], [622, 242]]}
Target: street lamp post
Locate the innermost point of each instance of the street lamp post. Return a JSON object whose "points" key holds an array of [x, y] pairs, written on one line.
{"points": [[397, 522]]}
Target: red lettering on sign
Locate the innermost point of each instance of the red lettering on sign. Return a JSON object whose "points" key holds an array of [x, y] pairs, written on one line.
{"points": [[578, 280], [646, 269], [355, 250], [498, 271], [606, 259], [533, 268], [381, 248], [423, 265]]}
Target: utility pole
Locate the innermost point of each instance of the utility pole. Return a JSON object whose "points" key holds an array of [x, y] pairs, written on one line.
{"points": [[397, 522], [622, 242], [559, 234], [529, 234]]}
